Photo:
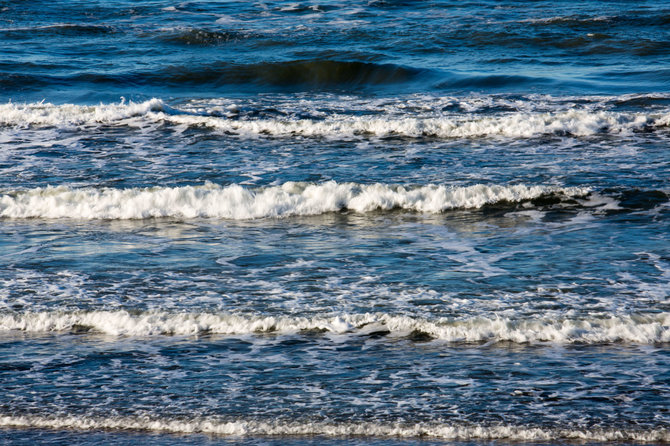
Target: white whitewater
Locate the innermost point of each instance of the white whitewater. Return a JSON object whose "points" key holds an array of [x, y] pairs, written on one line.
{"points": [[239, 203], [433, 123], [635, 328], [239, 428]]}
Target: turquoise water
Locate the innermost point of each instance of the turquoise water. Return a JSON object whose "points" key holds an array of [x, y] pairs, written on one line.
{"points": [[339, 223]]}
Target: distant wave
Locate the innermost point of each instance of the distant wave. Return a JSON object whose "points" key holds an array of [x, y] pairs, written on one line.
{"points": [[653, 19], [63, 29], [237, 202], [444, 431], [637, 328], [520, 124]]}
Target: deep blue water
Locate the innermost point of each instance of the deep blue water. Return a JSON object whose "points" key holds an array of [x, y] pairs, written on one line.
{"points": [[375, 222]]}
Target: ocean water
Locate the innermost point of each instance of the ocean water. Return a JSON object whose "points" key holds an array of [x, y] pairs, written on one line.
{"points": [[361, 222]]}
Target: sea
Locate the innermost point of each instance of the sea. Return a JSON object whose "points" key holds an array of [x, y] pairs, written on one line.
{"points": [[362, 222]]}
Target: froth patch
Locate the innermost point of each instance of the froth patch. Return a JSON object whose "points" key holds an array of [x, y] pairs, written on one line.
{"points": [[638, 328], [237, 202], [240, 428]]}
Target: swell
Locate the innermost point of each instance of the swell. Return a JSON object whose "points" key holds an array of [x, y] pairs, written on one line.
{"points": [[239, 203], [601, 42], [634, 328], [241, 427], [635, 33], [300, 73], [493, 81], [372, 122], [291, 75]]}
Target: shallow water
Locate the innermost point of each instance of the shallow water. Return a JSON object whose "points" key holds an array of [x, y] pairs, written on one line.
{"points": [[366, 223]]}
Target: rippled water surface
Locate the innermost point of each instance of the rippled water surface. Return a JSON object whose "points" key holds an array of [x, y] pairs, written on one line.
{"points": [[377, 222]]}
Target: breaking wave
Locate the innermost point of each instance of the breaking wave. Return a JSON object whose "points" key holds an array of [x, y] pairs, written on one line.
{"points": [[239, 428], [520, 124], [636, 328], [239, 203]]}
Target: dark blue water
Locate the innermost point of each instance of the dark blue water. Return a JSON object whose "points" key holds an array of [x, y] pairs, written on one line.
{"points": [[378, 222], [85, 52]]}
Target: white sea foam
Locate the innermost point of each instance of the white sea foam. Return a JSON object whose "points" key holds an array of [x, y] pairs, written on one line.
{"points": [[447, 431], [236, 202], [398, 120], [637, 328], [69, 115]]}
